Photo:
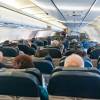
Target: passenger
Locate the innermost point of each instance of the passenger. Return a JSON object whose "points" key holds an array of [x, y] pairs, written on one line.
{"points": [[55, 43], [66, 44], [74, 43], [49, 40], [23, 61], [23, 42], [1, 60], [74, 60]]}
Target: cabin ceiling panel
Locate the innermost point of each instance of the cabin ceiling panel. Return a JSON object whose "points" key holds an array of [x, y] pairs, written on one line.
{"points": [[49, 8], [95, 11], [31, 8], [68, 12], [72, 10]]}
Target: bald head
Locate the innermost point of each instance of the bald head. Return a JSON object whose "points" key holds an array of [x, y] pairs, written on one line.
{"points": [[1, 56], [74, 60], [55, 43]]}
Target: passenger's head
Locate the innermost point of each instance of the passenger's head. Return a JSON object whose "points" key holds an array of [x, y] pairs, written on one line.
{"points": [[55, 43], [23, 61], [74, 60], [1, 56], [74, 41]]}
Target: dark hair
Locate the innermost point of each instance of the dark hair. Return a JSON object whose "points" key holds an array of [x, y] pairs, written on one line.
{"points": [[25, 61]]}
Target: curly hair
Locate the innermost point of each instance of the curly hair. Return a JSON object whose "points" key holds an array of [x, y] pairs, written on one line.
{"points": [[23, 61]]}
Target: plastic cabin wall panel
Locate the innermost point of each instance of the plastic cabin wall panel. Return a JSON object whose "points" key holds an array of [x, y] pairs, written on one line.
{"points": [[14, 17]]}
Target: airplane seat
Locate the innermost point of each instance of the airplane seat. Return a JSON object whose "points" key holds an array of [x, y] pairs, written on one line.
{"points": [[44, 66], [48, 58], [21, 86], [33, 45], [45, 42], [78, 84], [39, 42], [33, 71], [26, 49], [49, 46], [60, 68], [69, 52], [41, 53], [88, 64], [77, 51], [9, 54], [9, 51], [53, 52], [95, 54], [36, 72], [86, 44]]}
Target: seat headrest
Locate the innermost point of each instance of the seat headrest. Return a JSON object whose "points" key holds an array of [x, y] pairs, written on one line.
{"points": [[33, 71], [45, 42], [36, 72], [48, 58], [18, 84], [53, 52], [44, 66], [75, 84], [9, 51], [39, 42], [88, 64], [26, 49], [33, 45], [60, 68]]}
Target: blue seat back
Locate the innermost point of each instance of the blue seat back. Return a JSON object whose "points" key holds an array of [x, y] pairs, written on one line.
{"points": [[39, 42], [33, 45], [93, 70], [21, 84], [26, 49], [33, 71], [75, 84], [53, 52], [9, 51], [18, 84], [95, 54], [88, 64], [86, 44], [48, 58], [45, 67]]}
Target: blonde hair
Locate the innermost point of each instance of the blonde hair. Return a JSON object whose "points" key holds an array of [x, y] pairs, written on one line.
{"points": [[74, 60]]}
